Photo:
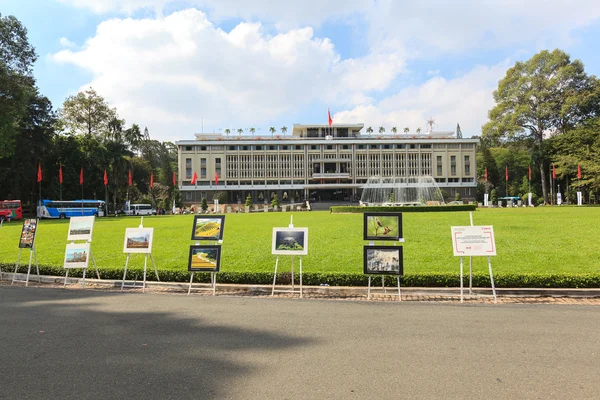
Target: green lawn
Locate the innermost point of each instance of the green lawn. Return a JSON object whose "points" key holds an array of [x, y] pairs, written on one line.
{"points": [[548, 240]]}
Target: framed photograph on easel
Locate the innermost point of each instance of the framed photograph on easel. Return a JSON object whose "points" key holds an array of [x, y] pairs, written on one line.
{"points": [[80, 228], [208, 228], [28, 233], [204, 258], [383, 260], [138, 240], [77, 255], [382, 226], [290, 241]]}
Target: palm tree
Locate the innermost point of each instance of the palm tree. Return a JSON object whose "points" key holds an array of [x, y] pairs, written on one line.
{"points": [[240, 131], [418, 130], [394, 130], [369, 130], [115, 129], [252, 130], [272, 130], [406, 130], [227, 131], [381, 129], [133, 136], [283, 130]]}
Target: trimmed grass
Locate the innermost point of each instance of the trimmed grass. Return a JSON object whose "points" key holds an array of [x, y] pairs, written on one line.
{"points": [[543, 240]]}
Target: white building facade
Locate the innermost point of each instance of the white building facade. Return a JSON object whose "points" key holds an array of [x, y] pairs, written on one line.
{"points": [[320, 163]]}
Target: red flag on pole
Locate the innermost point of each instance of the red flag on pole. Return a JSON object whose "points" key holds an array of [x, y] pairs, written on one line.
{"points": [[329, 117], [578, 171], [81, 176], [130, 179], [105, 178], [174, 179], [553, 172], [151, 180], [530, 172], [39, 176], [194, 178], [60, 177], [217, 179], [507, 172], [486, 174]]}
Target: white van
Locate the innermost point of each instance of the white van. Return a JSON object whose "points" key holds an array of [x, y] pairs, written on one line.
{"points": [[140, 209]]}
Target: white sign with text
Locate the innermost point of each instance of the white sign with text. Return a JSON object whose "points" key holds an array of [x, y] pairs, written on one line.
{"points": [[473, 241]]}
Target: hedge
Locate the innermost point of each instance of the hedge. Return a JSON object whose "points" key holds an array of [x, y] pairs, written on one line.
{"points": [[333, 279], [403, 209]]}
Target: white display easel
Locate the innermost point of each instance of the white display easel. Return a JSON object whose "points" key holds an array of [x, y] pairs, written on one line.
{"points": [[383, 279], [293, 289], [213, 279], [462, 299], [134, 285], [32, 254], [84, 269]]}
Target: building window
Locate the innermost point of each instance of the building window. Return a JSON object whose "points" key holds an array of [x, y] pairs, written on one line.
{"points": [[467, 165], [313, 147], [297, 147], [438, 165], [452, 165], [188, 168], [467, 191], [203, 168], [345, 147], [188, 195], [425, 146], [373, 146], [414, 146], [202, 148], [360, 146], [284, 147], [329, 147], [387, 146], [232, 147], [272, 147], [258, 147], [246, 148], [188, 148], [400, 146]]}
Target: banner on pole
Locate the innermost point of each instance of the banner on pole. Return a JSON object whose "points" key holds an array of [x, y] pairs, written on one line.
{"points": [[530, 198]]}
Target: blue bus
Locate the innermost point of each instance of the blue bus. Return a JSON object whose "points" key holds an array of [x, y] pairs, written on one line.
{"points": [[71, 208]]}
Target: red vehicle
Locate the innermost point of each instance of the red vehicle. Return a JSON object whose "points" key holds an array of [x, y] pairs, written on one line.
{"points": [[10, 209]]}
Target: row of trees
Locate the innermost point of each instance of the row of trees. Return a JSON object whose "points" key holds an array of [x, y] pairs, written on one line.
{"points": [[84, 134], [547, 113], [252, 131]]}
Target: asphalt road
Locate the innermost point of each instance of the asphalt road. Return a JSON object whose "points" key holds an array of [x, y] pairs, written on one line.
{"points": [[68, 344]]}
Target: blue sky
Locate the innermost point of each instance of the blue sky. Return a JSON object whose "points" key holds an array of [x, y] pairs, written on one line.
{"points": [[174, 66]]}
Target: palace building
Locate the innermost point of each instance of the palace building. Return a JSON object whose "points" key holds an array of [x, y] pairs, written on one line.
{"points": [[321, 163]]}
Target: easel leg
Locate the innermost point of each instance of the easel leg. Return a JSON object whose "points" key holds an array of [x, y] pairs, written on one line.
{"points": [[37, 267], [29, 268], [492, 279], [462, 299], [83, 280], [293, 273], [191, 280], [383, 283], [95, 266], [275, 276], [399, 294], [125, 272], [145, 268], [369, 289], [66, 277], [470, 275], [213, 279], [155, 270], [300, 277], [17, 266]]}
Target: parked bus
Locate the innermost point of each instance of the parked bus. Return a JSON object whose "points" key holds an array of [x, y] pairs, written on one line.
{"points": [[139, 209], [73, 208], [10, 209]]}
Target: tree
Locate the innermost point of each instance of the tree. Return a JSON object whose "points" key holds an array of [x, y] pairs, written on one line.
{"points": [[283, 130], [240, 131], [16, 80], [457, 197], [133, 137], [406, 130], [87, 113], [272, 130], [418, 130], [204, 205], [546, 95], [227, 131], [275, 201], [394, 130], [248, 201], [381, 129], [369, 130], [252, 130]]}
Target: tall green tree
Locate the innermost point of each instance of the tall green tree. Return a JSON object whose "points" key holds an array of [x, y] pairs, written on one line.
{"points": [[546, 95], [16, 81], [87, 113]]}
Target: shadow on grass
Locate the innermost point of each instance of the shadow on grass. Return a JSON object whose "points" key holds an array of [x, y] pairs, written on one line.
{"points": [[82, 344]]}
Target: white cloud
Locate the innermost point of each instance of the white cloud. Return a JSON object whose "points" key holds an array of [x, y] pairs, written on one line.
{"points": [[465, 99], [64, 42], [167, 73]]}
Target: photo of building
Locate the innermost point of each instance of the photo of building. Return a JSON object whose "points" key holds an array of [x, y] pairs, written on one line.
{"points": [[320, 163]]}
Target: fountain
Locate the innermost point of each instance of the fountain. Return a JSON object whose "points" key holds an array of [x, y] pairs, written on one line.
{"points": [[400, 191]]}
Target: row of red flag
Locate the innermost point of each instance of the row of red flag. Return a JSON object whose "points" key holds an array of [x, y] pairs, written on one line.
{"points": [[195, 178], [553, 172], [129, 176]]}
